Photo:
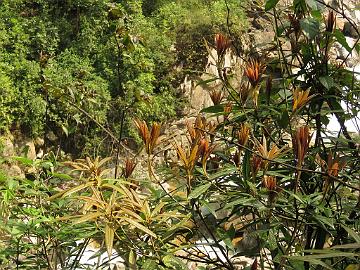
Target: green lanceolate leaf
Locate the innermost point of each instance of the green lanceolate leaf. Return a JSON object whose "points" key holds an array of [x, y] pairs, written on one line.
{"points": [[174, 263], [327, 82], [270, 4], [311, 260], [312, 4], [24, 160], [341, 39], [353, 234], [310, 27], [205, 82], [246, 166], [139, 226], [132, 260], [88, 217], [62, 176], [214, 109], [284, 119], [353, 267], [149, 265], [199, 191], [109, 238]]}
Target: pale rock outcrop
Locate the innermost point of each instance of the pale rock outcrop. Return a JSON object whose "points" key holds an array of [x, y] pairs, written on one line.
{"points": [[8, 149], [15, 171]]}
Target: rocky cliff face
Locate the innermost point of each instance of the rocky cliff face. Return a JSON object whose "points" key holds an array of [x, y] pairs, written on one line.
{"points": [[197, 92], [18, 145], [259, 42]]}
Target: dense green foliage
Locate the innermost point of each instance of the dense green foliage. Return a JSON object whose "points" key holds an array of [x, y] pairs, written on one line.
{"points": [[104, 57], [26, 214]]}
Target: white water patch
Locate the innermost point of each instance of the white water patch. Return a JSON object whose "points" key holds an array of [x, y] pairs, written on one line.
{"points": [[352, 125], [94, 259]]}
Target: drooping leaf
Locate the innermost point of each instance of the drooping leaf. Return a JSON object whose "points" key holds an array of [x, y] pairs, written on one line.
{"points": [[284, 119], [132, 260], [310, 27], [227, 237], [139, 226], [65, 129], [347, 246], [209, 208], [62, 176], [93, 201], [324, 221], [174, 263], [327, 82], [130, 213], [199, 191], [205, 82], [246, 166], [329, 253], [325, 120], [56, 195], [296, 196], [312, 4], [311, 260], [270, 4], [149, 265], [104, 160], [109, 238], [213, 109], [157, 209], [24, 160], [244, 200], [76, 189], [341, 39], [353, 234], [88, 217]]}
